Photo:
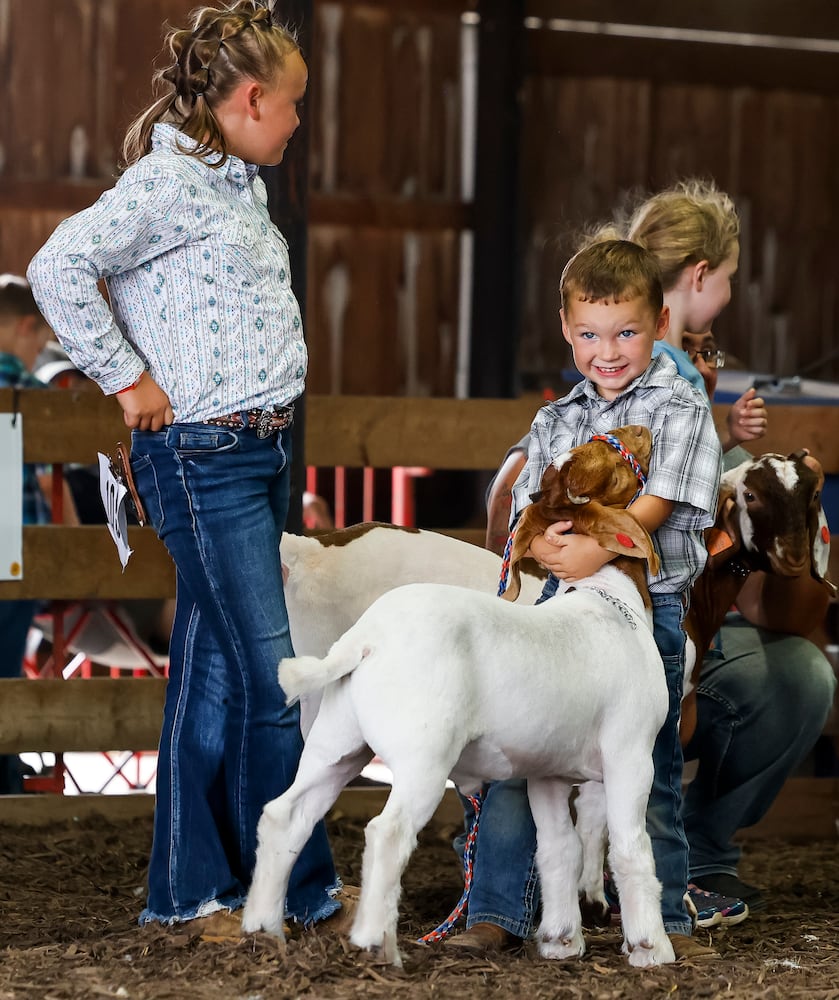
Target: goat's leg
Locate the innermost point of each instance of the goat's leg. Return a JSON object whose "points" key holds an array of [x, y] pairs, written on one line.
{"points": [[559, 861], [591, 826], [627, 778], [286, 825], [390, 839]]}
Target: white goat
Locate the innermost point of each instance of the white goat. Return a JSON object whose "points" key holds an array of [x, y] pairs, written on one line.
{"points": [[330, 580], [439, 681]]}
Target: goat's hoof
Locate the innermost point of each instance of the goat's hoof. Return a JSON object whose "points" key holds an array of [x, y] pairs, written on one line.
{"points": [[379, 955], [650, 953], [254, 924], [562, 947], [385, 953]]}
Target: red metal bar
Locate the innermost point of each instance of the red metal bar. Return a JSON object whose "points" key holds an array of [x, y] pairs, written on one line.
{"points": [[368, 487]]}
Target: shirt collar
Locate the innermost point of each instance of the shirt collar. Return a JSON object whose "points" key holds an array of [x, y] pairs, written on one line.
{"points": [[165, 136], [658, 374]]}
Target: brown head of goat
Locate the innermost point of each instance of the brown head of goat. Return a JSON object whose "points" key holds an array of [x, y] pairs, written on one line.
{"points": [[591, 485]]}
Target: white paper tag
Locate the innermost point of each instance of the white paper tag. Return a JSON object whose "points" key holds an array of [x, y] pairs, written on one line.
{"points": [[11, 497], [113, 495]]}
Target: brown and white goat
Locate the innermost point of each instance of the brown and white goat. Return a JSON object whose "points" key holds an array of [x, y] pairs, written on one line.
{"points": [[567, 492], [769, 519], [440, 682]]}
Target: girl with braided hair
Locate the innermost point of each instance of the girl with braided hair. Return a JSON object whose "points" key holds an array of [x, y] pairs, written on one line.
{"points": [[201, 344]]}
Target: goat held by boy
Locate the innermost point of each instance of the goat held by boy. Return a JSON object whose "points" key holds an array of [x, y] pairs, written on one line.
{"points": [[439, 682]]}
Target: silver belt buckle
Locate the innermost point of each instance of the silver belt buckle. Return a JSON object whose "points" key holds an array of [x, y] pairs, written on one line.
{"points": [[263, 423]]}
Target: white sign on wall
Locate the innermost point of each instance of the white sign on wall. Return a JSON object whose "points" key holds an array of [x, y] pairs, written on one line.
{"points": [[11, 496]]}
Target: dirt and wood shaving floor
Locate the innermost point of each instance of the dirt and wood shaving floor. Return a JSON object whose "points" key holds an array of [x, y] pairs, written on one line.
{"points": [[70, 896]]}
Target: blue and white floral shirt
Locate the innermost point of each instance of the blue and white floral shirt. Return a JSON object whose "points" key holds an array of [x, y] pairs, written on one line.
{"points": [[198, 281]]}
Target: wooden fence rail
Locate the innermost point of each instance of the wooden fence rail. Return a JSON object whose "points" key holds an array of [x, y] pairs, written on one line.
{"points": [[80, 563]]}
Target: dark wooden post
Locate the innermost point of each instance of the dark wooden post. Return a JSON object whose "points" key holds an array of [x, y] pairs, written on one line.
{"points": [[288, 188], [495, 280]]}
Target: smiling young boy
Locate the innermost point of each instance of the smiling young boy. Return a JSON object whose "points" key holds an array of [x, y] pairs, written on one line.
{"points": [[612, 314]]}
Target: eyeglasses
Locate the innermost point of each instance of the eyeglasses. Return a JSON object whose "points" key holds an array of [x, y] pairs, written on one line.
{"points": [[713, 359]]}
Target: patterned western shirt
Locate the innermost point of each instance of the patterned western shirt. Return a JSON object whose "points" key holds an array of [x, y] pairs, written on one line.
{"points": [[685, 466], [13, 374], [198, 281]]}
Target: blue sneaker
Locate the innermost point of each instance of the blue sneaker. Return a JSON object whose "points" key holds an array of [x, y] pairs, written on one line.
{"points": [[713, 909]]}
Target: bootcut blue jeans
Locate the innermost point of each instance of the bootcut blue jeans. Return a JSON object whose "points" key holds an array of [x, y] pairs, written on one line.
{"points": [[218, 499]]}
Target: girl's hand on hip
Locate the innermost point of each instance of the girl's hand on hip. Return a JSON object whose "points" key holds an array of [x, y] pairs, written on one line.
{"points": [[146, 407]]}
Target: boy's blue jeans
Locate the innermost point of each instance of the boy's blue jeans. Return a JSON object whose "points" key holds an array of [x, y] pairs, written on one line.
{"points": [[505, 883], [218, 498]]}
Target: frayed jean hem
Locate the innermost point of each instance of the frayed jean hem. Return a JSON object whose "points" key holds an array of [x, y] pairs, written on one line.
{"points": [[517, 928], [330, 905], [673, 928], [205, 909]]}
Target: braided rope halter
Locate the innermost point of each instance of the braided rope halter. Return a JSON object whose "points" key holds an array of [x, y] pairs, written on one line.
{"points": [[476, 801]]}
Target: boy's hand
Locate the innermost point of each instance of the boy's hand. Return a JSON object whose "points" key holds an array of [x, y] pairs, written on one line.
{"points": [[146, 407], [748, 418], [570, 557]]}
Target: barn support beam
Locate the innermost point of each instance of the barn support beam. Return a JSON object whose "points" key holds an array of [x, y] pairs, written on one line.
{"points": [[495, 285], [288, 205]]}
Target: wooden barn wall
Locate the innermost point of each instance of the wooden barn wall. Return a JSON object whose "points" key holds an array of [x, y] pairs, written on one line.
{"points": [[384, 197], [606, 117], [600, 116]]}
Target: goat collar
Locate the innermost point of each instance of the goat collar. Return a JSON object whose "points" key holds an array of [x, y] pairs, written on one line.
{"points": [[626, 455], [616, 602]]}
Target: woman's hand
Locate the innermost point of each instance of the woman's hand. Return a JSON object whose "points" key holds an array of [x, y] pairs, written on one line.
{"points": [[146, 407], [747, 419]]}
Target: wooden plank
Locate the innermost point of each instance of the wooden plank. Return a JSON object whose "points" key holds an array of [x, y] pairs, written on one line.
{"points": [[385, 212], [581, 54], [64, 425], [44, 810], [437, 433], [380, 431], [806, 809], [81, 563], [810, 19], [65, 196], [435, 6], [105, 713]]}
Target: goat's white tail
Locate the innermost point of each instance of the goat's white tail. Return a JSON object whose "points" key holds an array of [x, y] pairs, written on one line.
{"points": [[299, 675]]}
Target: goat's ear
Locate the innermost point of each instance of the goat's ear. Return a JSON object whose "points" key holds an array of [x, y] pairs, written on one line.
{"points": [[722, 539], [820, 550], [530, 524], [618, 531]]}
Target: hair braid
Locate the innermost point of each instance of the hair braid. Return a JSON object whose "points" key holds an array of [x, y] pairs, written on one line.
{"points": [[206, 61]]}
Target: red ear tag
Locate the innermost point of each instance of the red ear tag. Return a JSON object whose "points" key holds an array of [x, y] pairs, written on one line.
{"points": [[625, 541], [825, 534]]}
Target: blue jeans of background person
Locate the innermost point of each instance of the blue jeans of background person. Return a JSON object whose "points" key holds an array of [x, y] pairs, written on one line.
{"points": [[15, 619], [760, 709], [505, 883], [218, 499]]}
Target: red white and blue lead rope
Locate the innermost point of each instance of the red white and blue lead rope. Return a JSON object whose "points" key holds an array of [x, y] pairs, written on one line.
{"points": [[443, 930]]}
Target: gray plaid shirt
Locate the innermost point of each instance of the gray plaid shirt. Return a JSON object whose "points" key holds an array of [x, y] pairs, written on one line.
{"points": [[685, 466]]}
